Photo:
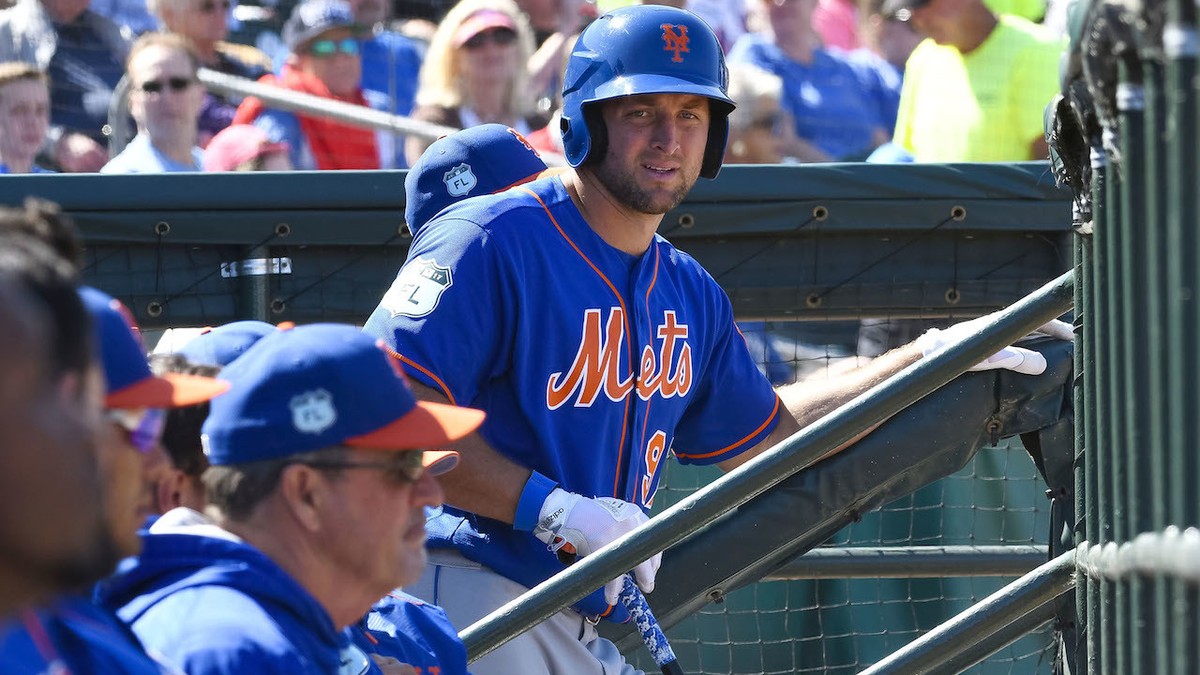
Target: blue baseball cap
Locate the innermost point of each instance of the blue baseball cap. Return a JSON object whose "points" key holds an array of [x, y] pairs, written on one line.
{"points": [[480, 160], [325, 385], [221, 345], [310, 18], [126, 371]]}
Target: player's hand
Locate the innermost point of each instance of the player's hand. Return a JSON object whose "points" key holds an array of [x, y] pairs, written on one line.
{"points": [[1018, 359], [574, 524]]}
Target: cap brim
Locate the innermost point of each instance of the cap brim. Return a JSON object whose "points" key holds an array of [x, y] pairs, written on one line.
{"points": [[172, 390], [474, 26], [428, 425], [438, 462]]}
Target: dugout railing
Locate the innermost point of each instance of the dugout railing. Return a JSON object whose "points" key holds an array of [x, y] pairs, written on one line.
{"points": [[797, 244]]}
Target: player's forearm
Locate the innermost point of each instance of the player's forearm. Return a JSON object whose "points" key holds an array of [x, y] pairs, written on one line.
{"points": [[484, 482], [809, 401]]}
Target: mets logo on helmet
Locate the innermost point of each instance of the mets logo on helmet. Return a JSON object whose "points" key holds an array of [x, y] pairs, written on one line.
{"points": [[675, 39]]}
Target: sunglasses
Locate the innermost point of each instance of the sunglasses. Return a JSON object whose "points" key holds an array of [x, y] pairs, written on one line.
{"points": [[143, 427], [348, 46], [407, 467], [500, 36], [173, 83], [769, 122], [210, 6]]}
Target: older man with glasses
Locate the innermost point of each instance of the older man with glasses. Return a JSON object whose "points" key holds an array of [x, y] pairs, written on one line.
{"points": [[325, 60], [164, 99], [319, 483]]}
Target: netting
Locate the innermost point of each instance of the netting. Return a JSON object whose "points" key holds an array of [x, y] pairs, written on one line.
{"points": [[843, 626]]}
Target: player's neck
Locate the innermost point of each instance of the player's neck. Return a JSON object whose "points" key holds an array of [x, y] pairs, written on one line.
{"points": [[618, 225]]}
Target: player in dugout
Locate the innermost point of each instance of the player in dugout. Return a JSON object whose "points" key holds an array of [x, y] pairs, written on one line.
{"points": [[595, 346]]}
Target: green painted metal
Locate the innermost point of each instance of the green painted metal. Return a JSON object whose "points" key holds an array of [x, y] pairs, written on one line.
{"points": [[955, 645], [787, 242]]}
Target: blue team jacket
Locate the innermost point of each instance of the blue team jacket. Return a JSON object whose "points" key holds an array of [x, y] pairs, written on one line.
{"points": [[214, 606], [76, 636], [414, 632]]}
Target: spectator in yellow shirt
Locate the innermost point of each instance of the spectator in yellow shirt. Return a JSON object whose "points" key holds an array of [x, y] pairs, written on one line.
{"points": [[975, 88]]}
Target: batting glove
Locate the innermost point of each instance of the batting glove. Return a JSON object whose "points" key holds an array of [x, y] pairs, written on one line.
{"points": [[574, 524], [1018, 359]]}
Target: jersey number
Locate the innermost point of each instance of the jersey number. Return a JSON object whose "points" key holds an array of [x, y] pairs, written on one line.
{"points": [[654, 454]]}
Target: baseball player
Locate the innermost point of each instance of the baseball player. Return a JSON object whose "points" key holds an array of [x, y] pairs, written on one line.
{"points": [[596, 347]]}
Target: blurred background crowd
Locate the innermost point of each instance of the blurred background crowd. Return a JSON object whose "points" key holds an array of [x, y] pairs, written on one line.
{"points": [[114, 85]]}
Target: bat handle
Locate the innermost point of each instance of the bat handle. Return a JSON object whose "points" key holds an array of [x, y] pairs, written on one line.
{"points": [[647, 626]]}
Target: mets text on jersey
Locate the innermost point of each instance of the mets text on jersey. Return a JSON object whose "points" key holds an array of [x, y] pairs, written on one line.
{"points": [[596, 367]]}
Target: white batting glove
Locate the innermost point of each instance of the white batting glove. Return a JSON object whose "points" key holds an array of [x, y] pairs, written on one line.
{"points": [[578, 525], [1017, 359]]}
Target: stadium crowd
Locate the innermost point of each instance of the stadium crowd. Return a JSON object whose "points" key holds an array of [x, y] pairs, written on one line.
{"points": [[816, 80]]}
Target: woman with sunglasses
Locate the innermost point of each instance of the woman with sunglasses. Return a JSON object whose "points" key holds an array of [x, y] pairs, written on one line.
{"points": [[205, 24], [475, 71]]}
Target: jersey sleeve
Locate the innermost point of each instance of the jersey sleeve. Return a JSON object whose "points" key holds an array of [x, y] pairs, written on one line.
{"points": [[735, 406], [447, 315]]}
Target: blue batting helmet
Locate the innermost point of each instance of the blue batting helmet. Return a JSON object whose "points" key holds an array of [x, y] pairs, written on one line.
{"points": [[643, 49]]}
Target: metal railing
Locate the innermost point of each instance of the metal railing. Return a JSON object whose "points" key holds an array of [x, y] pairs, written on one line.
{"points": [[279, 98], [767, 470]]}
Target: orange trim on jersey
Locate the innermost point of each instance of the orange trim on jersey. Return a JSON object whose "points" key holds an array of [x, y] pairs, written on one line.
{"points": [[727, 448], [646, 420], [628, 332], [404, 359]]}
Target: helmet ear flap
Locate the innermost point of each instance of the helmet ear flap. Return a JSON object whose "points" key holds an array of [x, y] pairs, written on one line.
{"points": [[598, 133]]}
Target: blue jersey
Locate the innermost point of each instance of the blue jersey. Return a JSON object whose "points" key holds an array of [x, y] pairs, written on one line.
{"points": [[837, 102], [413, 632], [75, 636], [591, 363]]}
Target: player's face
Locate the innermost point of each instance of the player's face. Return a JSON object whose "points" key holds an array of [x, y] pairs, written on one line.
{"points": [[52, 537], [655, 149], [131, 476], [377, 537]]}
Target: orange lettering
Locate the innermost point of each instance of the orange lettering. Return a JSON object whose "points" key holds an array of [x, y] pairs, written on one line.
{"points": [[596, 363], [675, 40], [654, 453]]}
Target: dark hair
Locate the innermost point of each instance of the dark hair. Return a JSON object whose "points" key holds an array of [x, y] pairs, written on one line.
{"points": [[45, 221], [237, 489], [181, 434], [53, 281]]}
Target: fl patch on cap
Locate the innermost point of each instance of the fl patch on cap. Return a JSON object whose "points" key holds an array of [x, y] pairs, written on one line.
{"points": [[476, 161]]}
